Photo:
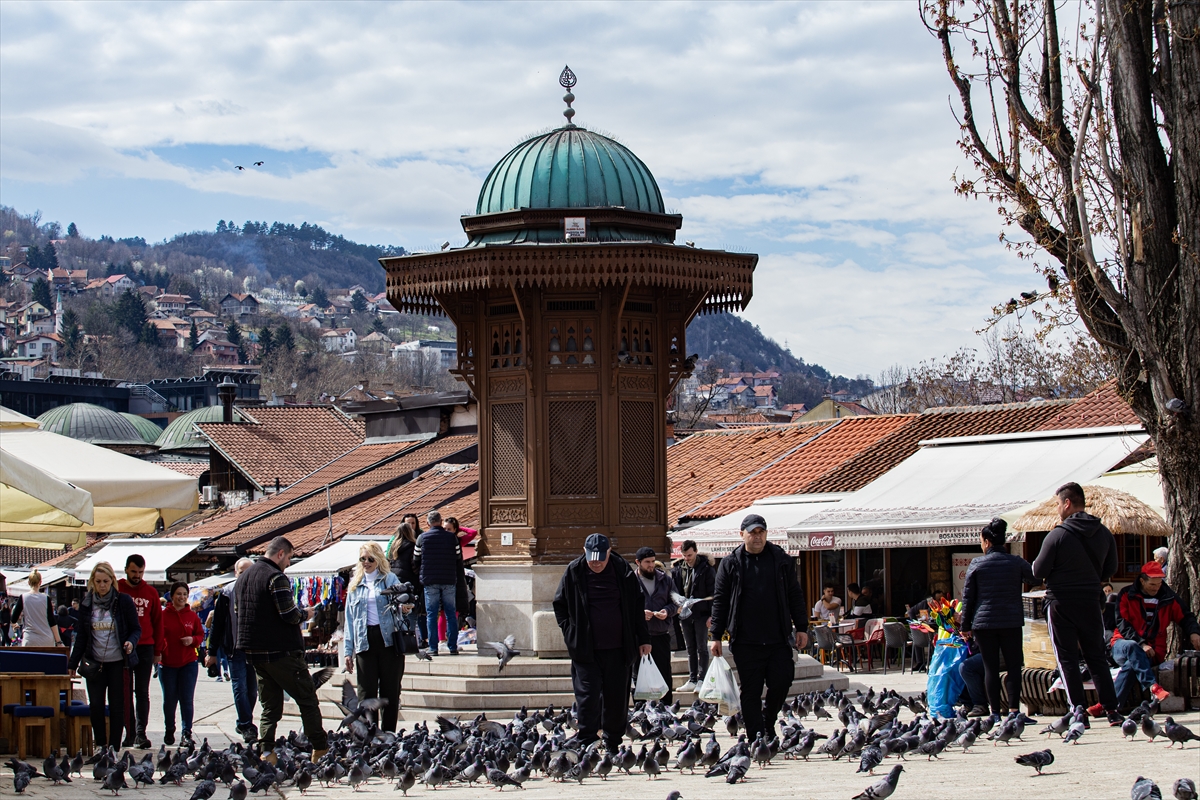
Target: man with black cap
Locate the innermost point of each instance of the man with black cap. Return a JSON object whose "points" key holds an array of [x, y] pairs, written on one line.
{"points": [[600, 609], [659, 608], [759, 604]]}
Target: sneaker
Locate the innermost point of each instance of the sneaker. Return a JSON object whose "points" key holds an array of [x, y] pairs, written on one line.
{"points": [[1096, 710], [186, 740], [142, 743], [978, 711], [1114, 719], [1160, 694], [249, 733], [220, 679], [690, 686], [228, 678], [433, 653], [169, 737]]}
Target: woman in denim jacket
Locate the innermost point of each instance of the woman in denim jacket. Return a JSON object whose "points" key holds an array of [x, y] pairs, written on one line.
{"points": [[371, 631]]}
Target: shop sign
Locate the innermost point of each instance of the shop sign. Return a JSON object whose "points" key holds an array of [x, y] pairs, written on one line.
{"points": [[821, 541], [959, 563], [575, 228]]}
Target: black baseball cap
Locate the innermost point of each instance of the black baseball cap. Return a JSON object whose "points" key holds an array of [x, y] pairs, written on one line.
{"points": [[595, 547], [644, 552], [753, 521]]}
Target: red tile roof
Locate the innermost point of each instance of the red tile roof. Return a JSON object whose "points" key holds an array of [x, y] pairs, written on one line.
{"points": [[14, 556], [285, 442], [792, 472], [708, 462], [363, 473], [1102, 408], [934, 423], [192, 468], [466, 510], [381, 514]]}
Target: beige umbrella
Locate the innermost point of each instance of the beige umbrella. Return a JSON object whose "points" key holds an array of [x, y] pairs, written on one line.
{"points": [[1120, 512]]}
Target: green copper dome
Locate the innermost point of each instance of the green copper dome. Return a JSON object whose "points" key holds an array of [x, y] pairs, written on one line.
{"points": [[91, 423], [179, 435], [145, 427], [569, 168]]}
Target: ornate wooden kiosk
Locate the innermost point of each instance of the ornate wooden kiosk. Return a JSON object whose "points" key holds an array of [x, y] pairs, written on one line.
{"points": [[571, 301]]}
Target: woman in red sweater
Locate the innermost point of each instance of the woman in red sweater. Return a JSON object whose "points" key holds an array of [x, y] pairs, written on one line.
{"points": [[182, 634]]}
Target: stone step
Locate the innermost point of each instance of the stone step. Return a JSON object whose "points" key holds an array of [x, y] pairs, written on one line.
{"points": [[502, 684]]}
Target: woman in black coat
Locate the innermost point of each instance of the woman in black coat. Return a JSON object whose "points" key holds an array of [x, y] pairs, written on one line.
{"points": [[106, 635], [400, 559], [994, 615]]}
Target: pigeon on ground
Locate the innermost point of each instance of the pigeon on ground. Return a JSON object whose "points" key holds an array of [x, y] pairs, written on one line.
{"points": [[237, 791], [204, 790], [1151, 728], [738, 767], [407, 780], [675, 795], [505, 651], [51, 770], [884, 788], [303, 781], [871, 758], [1178, 733], [114, 781], [500, 779], [77, 764], [1129, 727], [1144, 789], [1059, 726], [1039, 760], [20, 782], [1075, 732], [1184, 789]]}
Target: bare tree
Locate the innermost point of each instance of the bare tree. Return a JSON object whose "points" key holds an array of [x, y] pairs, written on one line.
{"points": [[1086, 134]]}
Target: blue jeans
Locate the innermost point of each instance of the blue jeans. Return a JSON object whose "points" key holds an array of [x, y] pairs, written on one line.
{"points": [[971, 670], [245, 688], [1132, 660], [178, 688], [440, 597]]}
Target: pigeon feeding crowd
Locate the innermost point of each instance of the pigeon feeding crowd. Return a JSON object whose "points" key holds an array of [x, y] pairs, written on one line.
{"points": [[869, 730]]}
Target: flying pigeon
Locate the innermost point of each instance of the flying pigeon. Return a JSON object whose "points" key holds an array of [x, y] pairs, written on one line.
{"points": [[1039, 760], [239, 167], [259, 163], [505, 651], [884, 788]]}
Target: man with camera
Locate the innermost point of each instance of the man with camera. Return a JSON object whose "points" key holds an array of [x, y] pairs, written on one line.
{"points": [[223, 636]]}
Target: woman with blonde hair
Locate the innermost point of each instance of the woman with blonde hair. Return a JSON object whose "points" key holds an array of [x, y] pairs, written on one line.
{"points": [[41, 621], [370, 643], [106, 637], [404, 544]]}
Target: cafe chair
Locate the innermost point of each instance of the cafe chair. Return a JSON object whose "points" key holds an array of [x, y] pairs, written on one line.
{"points": [[827, 642], [922, 641], [79, 727], [29, 720], [895, 637]]}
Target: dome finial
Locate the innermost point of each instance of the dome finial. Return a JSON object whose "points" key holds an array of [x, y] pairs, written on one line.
{"points": [[567, 80]]}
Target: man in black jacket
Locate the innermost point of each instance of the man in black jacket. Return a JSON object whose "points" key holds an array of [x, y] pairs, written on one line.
{"points": [[438, 560], [695, 579], [757, 602], [223, 636], [599, 607], [1077, 557], [660, 608], [269, 634]]}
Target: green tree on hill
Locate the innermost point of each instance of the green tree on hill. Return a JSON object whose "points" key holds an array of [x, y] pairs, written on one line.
{"points": [[41, 293], [266, 343], [193, 337], [283, 337], [358, 302], [318, 297], [72, 334], [129, 312]]}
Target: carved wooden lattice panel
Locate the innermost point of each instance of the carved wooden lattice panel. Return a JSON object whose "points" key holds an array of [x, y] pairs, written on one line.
{"points": [[637, 343], [637, 447], [508, 450], [573, 445], [507, 346]]}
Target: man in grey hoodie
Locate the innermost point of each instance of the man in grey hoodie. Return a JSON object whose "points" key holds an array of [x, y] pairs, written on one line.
{"points": [[1077, 557]]}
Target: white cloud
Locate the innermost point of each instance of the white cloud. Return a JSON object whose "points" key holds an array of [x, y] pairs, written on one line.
{"points": [[815, 133]]}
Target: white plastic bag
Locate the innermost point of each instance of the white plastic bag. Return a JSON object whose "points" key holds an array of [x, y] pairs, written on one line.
{"points": [[721, 687], [650, 684]]}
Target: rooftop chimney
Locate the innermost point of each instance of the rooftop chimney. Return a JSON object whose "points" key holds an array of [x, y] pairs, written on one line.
{"points": [[227, 391]]}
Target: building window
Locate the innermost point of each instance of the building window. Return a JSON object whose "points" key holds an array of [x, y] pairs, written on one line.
{"points": [[571, 342]]}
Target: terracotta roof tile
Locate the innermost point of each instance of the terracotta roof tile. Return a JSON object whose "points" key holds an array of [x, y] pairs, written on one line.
{"points": [[792, 472], [934, 423], [381, 514], [13, 556], [708, 462], [1102, 408], [466, 510], [285, 442], [192, 468], [360, 473]]}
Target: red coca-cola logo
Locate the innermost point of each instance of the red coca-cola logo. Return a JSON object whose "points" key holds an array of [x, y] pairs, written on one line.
{"points": [[821, 541]]}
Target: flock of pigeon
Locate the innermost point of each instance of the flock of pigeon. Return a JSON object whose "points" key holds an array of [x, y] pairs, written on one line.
{"points": [[540, 745]]}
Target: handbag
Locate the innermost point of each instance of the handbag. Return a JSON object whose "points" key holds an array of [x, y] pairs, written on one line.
{"points": [[404, 637], [88, 668]]}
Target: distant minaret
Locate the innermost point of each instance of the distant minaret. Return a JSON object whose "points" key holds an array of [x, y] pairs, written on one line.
{"points": [[58, 314]]}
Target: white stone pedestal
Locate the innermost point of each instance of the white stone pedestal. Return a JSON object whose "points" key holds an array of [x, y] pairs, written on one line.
{"points": [[515, 599]]}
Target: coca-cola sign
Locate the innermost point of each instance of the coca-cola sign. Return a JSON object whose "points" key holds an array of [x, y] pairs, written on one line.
{"points": [[821, 541]]}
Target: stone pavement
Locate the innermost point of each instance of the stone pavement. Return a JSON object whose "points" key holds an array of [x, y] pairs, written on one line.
{"points": [[1100, 766]]}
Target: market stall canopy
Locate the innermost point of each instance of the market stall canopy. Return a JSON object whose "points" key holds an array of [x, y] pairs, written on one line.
{"points": [[160, 555], [950, 488], [1120, 512], [212, 581], [128, 495], [718, 537], [1140, 480], [338, 556], [50, 577], [15, 419], [30, 494]]}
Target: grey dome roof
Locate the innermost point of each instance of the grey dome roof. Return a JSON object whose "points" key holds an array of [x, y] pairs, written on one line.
{"points": [[179, 435], [91, 423], [145, 427]]}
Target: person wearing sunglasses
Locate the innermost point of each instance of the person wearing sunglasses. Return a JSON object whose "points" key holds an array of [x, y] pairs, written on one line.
{"points": [[370, 633]]}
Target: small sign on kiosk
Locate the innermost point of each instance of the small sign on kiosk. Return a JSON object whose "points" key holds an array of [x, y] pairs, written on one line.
{"points": [[574, 228]]}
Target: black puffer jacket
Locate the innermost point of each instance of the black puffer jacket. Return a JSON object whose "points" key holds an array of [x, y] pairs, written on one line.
{"points": [[571, 610], [992, 592], [1076, 557]]}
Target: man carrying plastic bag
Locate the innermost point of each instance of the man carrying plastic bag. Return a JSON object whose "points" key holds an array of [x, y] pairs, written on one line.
{"points": [[650, 684], [720, 687], [599, 608]]}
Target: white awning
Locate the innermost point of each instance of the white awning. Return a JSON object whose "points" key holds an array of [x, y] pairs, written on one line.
{"points": [[50, 576], [160, 555], [338, 556], [950, 488], [212, 581], [718, 537]]}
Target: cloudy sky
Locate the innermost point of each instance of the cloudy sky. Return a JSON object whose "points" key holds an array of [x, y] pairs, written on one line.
{"points": [[817, 135]]}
